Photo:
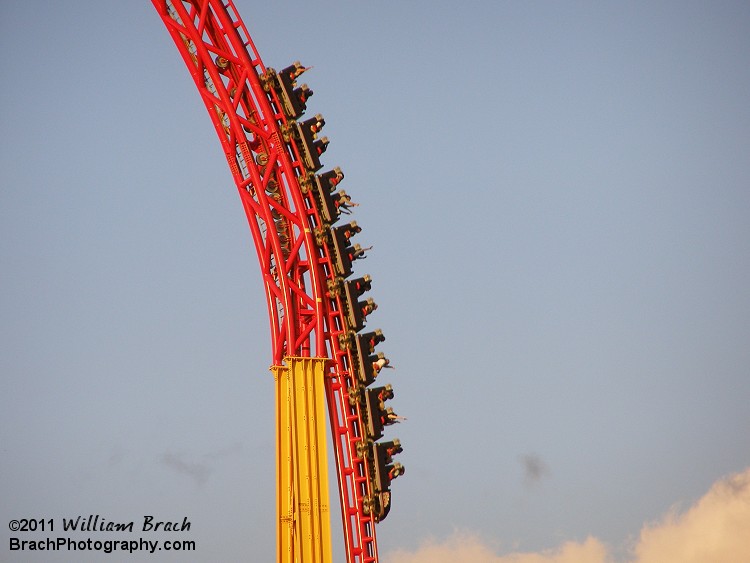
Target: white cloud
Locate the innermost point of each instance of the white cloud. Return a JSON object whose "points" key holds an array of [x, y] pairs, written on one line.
{"points": [[714, 530]]}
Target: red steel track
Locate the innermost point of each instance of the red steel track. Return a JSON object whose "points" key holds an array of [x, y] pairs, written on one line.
{"points": [[304, 261]]}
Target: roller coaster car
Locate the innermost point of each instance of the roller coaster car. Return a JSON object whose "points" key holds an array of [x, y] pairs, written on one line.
{"points": [[344, 253], [332, 205], [323, 186], [367, 360], [311, 149], [381, 474], [293, 99], [369, 366], [357, 311], [385, 470], [378, 415]]}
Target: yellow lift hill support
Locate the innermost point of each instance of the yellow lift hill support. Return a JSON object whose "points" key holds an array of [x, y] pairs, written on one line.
{"points": [[303, 529]]}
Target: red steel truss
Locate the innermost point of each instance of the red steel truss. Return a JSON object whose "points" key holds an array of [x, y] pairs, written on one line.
{"points": [[309, 310]]}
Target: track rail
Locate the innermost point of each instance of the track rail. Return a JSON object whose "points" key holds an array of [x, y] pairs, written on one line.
{"points": [[313, 311]]}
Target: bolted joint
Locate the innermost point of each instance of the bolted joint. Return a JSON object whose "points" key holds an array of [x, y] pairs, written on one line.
{"points": [[222, 63]]}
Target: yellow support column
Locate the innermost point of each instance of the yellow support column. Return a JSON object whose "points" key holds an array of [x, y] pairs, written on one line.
{"points": [[303, 533]]}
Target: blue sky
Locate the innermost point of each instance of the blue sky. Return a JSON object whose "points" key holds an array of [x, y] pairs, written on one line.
{"points": [[557, 196]]}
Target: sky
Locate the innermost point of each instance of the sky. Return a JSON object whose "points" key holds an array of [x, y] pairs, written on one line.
{"points": [[557, 195]]}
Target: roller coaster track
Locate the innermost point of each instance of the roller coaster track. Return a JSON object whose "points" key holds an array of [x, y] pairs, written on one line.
{"points": [[305, 261]]}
